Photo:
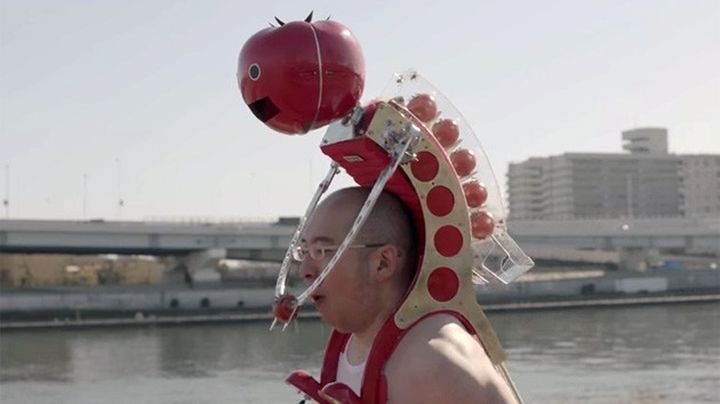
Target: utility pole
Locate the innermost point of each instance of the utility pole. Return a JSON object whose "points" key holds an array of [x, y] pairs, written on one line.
{"points": [[84, 204], [629, 196], [120, 203], [6, 201]]}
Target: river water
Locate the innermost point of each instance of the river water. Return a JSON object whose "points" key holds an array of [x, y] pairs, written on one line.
{"points": [[648, 354]]}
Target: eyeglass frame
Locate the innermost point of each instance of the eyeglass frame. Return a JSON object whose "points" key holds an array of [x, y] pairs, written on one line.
{"points": [[298, 249]]}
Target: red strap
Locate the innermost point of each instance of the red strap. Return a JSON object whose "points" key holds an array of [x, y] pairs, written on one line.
{"points": [[374, 388], [333, 349], [373, 380]]}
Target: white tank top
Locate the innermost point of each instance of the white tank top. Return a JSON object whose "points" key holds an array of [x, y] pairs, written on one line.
{"points": [[352, 375]]}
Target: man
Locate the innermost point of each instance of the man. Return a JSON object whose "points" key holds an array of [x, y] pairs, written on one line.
{"points": [[438, 361]]}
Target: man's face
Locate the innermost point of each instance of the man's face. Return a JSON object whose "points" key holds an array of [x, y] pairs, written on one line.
{"points": [[346, 297]]}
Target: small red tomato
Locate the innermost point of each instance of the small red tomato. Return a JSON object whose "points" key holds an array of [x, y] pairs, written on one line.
{"points": [[475, 194], [446, 131], [423, 107], [463, 160], [483, 224], [284, 307]]}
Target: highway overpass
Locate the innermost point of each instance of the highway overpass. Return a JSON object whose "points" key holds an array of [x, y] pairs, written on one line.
{"points": [[268, 241], [252, 240]]}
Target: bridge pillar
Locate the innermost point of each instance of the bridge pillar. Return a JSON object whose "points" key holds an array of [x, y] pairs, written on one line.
{"points": [[637, 258], [202, 266]]}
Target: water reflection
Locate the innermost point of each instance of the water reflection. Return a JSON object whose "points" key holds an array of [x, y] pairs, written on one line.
{"points": [[639, 354], [99, 354], [622, 338], [35, 356], [198, 351], [634, 354]]}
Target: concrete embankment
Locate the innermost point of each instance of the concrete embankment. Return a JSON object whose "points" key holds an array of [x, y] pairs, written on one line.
{"points": [[108, 306], [169, 319], [602, 284]]}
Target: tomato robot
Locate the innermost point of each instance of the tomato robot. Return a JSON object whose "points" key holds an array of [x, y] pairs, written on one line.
{"points": [[412, 142], [302, 75]]}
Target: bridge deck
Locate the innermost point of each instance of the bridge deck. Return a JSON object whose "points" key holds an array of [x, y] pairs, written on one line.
{"points": [[256, 240]]}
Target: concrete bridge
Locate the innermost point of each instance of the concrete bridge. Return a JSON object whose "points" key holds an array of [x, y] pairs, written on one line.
{"points": [[253, 240], [268, 241], [690, 233]]}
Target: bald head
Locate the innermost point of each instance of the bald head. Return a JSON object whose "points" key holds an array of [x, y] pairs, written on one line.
{"points": [[389, 222]]}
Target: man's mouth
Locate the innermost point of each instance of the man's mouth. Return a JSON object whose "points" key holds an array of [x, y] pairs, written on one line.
{"points": [[264, 109]]}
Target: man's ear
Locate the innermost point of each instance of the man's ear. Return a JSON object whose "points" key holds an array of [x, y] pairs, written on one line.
{"points": [[386, 263]]}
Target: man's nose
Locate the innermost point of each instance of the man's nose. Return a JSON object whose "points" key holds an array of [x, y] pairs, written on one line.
{"points": [[308, 270]]}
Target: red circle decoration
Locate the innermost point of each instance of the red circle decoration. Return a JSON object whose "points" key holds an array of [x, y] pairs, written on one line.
{"points": [[443, 284], [483, 224], [448, 240], [423, 107], [446, 131], [463, 161], [284, 307], [440, 201], [475, 194], [426, 167]]}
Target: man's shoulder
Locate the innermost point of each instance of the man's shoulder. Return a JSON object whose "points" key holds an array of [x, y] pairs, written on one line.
{"points": [[439, 359], [436, 340]]}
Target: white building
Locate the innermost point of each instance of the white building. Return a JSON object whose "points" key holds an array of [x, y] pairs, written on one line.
{"points": [[647, 182], [701, 185]]}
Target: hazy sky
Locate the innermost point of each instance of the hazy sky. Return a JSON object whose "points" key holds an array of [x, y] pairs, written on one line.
{"points": [[140, 96]]}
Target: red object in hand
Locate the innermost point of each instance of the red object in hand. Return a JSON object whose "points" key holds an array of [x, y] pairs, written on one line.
{"points": [[301, 75], [446, 131], [284, 308], [475, 194], [463, 160], [306, 383], [340, 393], [423, 107], [483, 224]]}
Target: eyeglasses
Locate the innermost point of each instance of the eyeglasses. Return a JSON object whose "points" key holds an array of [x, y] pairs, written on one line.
{"points": [[319, 252]]}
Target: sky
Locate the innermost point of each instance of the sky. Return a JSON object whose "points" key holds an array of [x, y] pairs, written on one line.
{"points": [[102, 101]]}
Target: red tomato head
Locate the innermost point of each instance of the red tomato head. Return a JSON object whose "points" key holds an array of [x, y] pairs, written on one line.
{"points": [[301, 75]]}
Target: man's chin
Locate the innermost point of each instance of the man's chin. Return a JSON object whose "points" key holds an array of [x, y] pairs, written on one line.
{"points": [[328, 319]]}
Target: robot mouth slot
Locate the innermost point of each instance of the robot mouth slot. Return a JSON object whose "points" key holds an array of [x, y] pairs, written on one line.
{"points": [[264, 109]]}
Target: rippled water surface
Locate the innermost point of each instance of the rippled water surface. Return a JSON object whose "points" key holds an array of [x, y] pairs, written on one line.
{"points": [[649, 354]]}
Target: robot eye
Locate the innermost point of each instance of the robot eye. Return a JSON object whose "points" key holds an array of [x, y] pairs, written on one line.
{"points": [[254, 71]]}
